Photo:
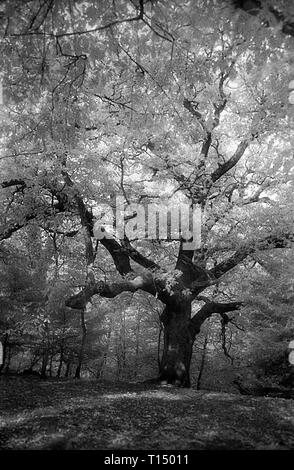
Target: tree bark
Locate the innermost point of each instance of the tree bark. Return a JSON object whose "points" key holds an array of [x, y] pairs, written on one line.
{"points": [[5, 347], [60, 359], [179, 332], [103, 363], [178, 342], [82, 347], [202, 362], [51, 365], [45, 360], [9, 349], [46, 351], [68, 369]]}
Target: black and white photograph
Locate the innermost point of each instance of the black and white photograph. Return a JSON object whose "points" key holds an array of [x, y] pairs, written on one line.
{"points": [[146, 228]]}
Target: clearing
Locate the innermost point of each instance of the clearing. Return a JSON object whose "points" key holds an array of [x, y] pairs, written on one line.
{"points": [[89, 414]]}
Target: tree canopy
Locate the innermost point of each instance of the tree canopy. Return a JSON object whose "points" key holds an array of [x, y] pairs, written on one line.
{"points": [[154, 102]]}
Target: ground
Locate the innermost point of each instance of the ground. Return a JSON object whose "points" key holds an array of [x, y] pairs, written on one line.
{"points": [[83, 414]]}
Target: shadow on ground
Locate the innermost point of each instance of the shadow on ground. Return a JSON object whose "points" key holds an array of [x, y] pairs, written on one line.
{"points": [[72, 414]]}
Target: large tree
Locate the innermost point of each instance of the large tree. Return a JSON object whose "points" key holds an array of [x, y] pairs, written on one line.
{"points": [[149, 100]]}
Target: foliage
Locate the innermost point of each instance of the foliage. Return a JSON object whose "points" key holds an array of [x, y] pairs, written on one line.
{"points": [[152, 101]]}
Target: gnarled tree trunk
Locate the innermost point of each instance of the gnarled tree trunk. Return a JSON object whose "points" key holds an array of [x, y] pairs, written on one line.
{"points": [[178, 343], [180, 331]]}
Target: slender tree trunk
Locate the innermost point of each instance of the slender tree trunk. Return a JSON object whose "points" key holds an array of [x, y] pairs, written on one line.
{"points": [[67, 370], [46, 350], [202, 362], [121, 360], [19, 364], [159, 346], [138, 320], [178, 343], [62, 347], [82, 347], [60, 360], [123, 344], [5, 346], [51, 365], [103, 362], [45, 360], [9, 349], [100, 369]]}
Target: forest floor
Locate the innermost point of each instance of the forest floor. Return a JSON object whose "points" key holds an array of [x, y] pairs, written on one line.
{"points": [[88, 414]]}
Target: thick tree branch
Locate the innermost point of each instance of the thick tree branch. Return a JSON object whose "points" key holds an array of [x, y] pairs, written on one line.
{"points": [[13, 182], [81, 32], [136, 256], [192, 108], [7, 232], [207, 310], [119, 255], [86, 220], [110, 290], [266, 243], [229, 164]]}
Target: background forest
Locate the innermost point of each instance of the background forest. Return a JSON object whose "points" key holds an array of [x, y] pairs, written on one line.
{"points": [[152, 101]]}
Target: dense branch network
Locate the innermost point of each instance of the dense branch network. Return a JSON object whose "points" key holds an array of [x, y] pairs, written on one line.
{"points": [[264, 8], [194, 276]]}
